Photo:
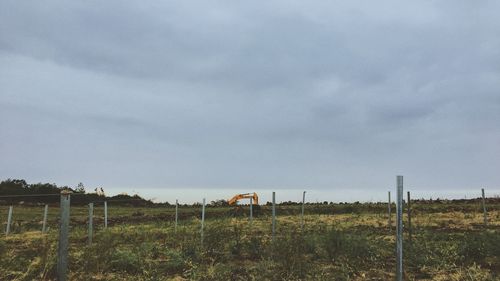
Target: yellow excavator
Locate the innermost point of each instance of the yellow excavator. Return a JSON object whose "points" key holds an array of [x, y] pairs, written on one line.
{"points": [[238, 210], [238, 197]]}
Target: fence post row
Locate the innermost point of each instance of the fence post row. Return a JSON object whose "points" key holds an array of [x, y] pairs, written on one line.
{"points": [[409, 216], [62, 253], [9, 221], [484, 208], [91, 221], [105, 214], [389, 210], [399, 229], [302, 213], [202, 220], [274, 216], [176, 213], [44, 224]]}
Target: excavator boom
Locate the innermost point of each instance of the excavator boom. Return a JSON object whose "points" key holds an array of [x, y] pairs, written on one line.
{"points": [[238, 197]]}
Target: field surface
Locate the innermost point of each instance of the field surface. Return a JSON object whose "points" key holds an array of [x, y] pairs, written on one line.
{"points": [[336, 242]]}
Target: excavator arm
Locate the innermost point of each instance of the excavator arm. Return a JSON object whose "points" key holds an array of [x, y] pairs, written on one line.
{"points": [[238, 197]]}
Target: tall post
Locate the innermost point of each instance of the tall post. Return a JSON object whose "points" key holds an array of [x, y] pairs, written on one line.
{"points": [[44, 223], [408, 208], [62, 253], [302, 213], [399, 229], [251, 210], [105, 214], [9, 221], [484, 208], [274, 216], [202, 220], [176, 213], [91, 221], [389, 223]]}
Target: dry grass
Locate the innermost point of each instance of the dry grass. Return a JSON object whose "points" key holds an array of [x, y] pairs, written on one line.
{"points": [[346, 246]]}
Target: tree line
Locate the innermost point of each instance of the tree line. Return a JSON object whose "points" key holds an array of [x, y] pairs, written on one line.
{"points": [[18, 191]]}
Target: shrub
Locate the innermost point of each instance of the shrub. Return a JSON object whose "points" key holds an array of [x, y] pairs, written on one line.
{"points": [[175, 261], [252, 247], [290, 255], [354, 248], [126, 260], [476, 247]]}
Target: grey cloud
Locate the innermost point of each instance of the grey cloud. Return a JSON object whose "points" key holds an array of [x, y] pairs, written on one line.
{"points": [[282, 93]]}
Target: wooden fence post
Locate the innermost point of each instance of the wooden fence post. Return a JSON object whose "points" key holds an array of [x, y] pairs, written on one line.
{"points": [[274, 216], [399, 229], [176, 213], [302, 213], [44, 223], [91, 221], [389, 210], [105, 214], [62, 253], [251, 210], [485, 216], [9, 221], [409, 217], [202, 220]]}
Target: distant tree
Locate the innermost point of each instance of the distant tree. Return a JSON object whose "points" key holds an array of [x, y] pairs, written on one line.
{"points": [[219, 203], [80, 188], [13, 187]]}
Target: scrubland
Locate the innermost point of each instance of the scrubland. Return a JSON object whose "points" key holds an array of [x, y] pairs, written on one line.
{"points": [[351, 242]]}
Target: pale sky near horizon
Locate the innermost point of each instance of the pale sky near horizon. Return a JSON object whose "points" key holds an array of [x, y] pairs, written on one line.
{"points": [[336, 97]]}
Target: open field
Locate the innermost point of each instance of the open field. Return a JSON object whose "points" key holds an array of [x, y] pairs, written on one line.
{"points": [[338, 242]]}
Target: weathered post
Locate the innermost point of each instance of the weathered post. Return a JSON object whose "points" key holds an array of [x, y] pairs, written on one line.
{"points": [[44, 223], [302, 213], [62, 253], [176, 213], [399, 229], [274, 216], [389, 210], [408, 208], [91, 221], [9, 221], [251, 210], [105, 214], [484, 208], [202, 220]]}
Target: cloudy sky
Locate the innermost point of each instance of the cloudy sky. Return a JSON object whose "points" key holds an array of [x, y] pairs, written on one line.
{"points": [[225, 96]]}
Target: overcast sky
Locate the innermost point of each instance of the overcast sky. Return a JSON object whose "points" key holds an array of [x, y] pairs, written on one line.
{"points": [[244, 95]]}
